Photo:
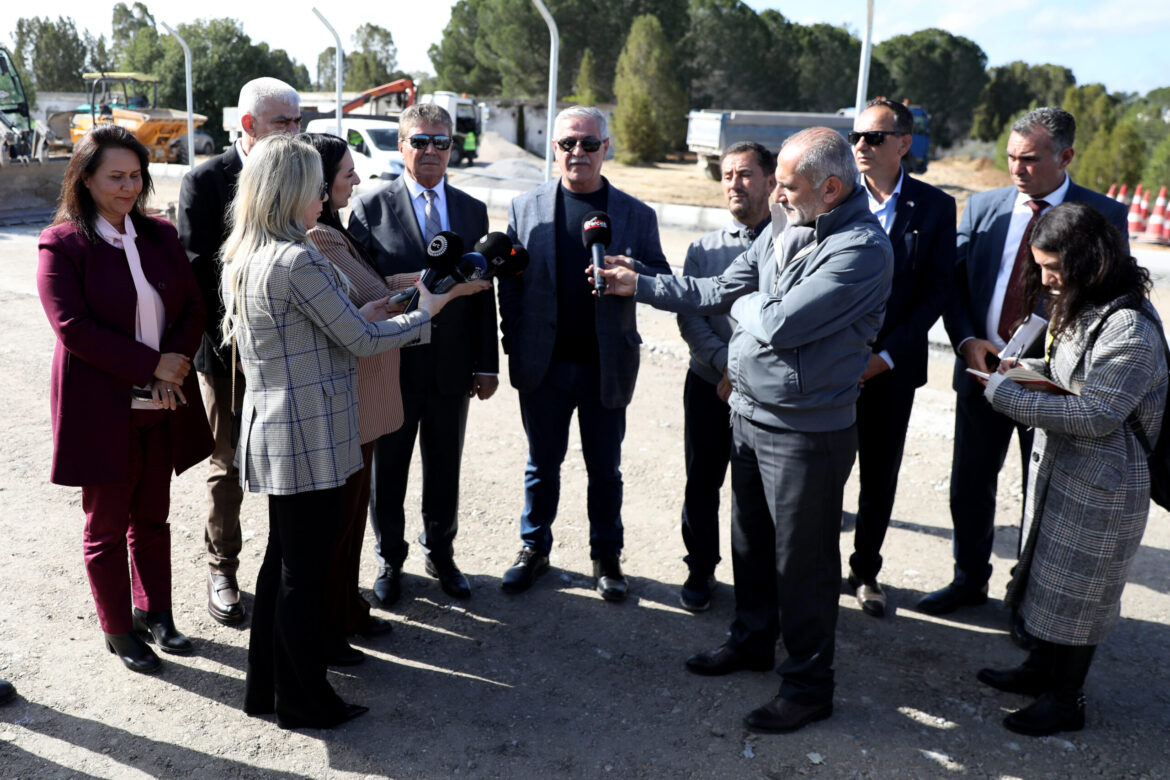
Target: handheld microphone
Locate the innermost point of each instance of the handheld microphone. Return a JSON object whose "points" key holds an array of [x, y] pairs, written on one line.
{"points": [[470, 267], [596, 233], [503, 258], [443, 253]]}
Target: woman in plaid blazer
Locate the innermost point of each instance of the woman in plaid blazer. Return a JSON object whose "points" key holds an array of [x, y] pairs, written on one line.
{"points": [[298, 338], [1089, 486]]}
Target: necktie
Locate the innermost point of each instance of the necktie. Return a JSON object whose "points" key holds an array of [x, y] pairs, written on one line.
{"points": [[434, 224], [1013, 299]]}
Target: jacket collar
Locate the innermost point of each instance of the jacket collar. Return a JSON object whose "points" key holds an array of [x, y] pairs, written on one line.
{"points": [[846, 213]]}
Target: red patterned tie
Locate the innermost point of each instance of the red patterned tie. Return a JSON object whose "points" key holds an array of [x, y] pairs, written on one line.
{"points": [[1013, 299]]}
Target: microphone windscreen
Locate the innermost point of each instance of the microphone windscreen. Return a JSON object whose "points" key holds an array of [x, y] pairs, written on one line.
{"points": [[595, 229], [471, 266], [495, 247], [443, 253], [514, 264]]}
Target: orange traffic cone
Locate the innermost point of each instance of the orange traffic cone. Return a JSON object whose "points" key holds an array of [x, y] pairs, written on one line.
{"points": [[1156, 226], [1146, 206], [1123, 194], [1112, 194], [1134, 220]]}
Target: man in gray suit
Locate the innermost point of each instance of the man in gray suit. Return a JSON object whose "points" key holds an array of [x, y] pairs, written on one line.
{"points": [[987, 306], [569, 350], [395, 224]]}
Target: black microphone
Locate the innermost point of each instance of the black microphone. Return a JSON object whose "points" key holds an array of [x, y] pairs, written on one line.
{"points": [[443, 253], [470, 267], [597, 233], [504, 259]]}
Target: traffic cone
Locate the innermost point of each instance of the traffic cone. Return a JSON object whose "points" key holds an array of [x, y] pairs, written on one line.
{"points": [[1134, 221], [1122, 194], [1157, 224], [1112, 194], [1146, 206]]}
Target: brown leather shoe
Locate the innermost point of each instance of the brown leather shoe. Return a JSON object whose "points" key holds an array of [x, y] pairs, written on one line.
{"points": [[781, 716], [869, 594], [223, 599]]}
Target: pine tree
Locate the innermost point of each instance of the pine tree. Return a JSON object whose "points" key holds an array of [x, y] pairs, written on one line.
{"points": [[650, 118]]}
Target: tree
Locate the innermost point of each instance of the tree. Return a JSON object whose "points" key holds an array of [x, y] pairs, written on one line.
{"points": [[1113, 156], [1157, 169], [1016, 86], [456, 66], [379, 43], [726, 44], [943, 73], [513, 36], [651, 107], [98, 57], [52, 54], [128, 23], [586, 91]]}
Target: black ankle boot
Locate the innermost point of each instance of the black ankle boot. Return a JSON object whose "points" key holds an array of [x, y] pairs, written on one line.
{"points": [[134, 652], [1063, 707], [1032, 678], [159, 628]]}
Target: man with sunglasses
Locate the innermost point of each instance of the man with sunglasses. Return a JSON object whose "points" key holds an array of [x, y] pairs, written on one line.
{"points": [[920, 221], [267, 106], [568, 350], [395, 223]]}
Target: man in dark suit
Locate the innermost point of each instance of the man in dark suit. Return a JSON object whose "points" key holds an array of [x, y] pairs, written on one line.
{"points": [[395, 224], [920, 221], [986, 308], [568, 349], [266, 106]]}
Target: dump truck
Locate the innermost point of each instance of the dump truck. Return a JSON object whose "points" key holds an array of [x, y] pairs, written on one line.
{"points": [[29, 180], [122, 99]]}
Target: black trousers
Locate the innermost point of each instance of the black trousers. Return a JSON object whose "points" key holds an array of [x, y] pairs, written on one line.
{"points": [[883, 415], [982, 438], [439, 423], [707, 448], [787, 489], [286, 650]]}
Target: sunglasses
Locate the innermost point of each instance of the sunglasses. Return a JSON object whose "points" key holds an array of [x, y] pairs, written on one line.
{"points": [[590, 144], [872, 137], [420, 141], [324, 190]]}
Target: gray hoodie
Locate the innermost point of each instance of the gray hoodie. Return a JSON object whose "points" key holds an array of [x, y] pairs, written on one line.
{"points": [[805, 326]]}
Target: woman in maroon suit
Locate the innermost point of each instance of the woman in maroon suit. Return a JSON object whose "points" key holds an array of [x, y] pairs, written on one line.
{"points": [[120, 295]]}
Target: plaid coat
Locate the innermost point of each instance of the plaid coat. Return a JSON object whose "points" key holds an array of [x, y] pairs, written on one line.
{"points": [[300, 426], [1089, 485]]}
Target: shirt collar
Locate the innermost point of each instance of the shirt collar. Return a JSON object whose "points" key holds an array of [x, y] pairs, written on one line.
{"points": [[108, 233], [416, 189], [1054, 198], [873, 202]]}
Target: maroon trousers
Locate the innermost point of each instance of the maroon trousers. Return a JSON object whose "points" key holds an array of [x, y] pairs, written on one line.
{"points": [[349, 613], [132, 516]]}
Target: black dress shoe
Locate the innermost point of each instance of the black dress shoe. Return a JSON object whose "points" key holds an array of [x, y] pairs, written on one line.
{"points": [[530, 564], [375, 626], [135, 654], [451, 580], [347, 713], [159, 628], [870, 596], [780, 716], [223, 599], [608, 578], [726, 659], [696, 592], [1050, 714], [950, 598], [7, 691], [344, 654], [388, 585]]}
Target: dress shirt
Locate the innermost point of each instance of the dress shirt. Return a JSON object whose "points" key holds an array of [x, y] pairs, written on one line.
{"points": [[1021, 215], [419, 202]]}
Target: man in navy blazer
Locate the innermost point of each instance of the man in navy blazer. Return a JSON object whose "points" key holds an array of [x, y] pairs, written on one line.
{"points": [[568, 349], [986, 307], [395, 224], [920, 221]]}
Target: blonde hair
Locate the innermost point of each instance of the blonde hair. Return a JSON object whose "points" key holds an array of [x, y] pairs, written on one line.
{"points": [[280, 180]]}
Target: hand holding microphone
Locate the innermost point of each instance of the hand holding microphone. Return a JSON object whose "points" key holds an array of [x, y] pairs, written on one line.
{"points": [[443, 254], [596, 234]]}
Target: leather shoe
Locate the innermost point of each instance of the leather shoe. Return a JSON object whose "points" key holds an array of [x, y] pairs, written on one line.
{"points": [[375, 626], [223, 599], [388, 585], [159, 628], [7, 691], [781, 716], [1051, 713], [133, 652], [950, 598], [869, 595], [610, 582], [726, 659], [530, 564], [451, 580], [344, 654], [695, 595], [347, 713]]}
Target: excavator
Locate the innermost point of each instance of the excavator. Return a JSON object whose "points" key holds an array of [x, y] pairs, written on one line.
{"points": [[29, 179]]}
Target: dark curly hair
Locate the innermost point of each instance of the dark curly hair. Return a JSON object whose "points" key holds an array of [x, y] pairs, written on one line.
{"points": [[76, 205], [1095, 264]]}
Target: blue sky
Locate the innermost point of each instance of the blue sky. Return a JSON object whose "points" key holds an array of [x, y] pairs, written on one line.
{"points": [[1121, 44]]}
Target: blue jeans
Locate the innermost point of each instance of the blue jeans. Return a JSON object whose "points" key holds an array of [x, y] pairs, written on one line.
{"points": [[547, 412]]}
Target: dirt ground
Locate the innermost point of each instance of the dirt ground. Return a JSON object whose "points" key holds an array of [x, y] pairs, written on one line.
{"points": [[554, 682]]}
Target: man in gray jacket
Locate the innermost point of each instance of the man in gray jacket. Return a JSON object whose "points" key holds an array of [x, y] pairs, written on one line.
{"points": [[808, 304]]}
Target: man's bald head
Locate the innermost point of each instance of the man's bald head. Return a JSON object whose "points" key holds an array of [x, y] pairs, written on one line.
{"points": [[815, 173]]}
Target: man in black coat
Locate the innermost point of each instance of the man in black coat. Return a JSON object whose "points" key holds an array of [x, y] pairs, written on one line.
{"points": [[395, 223], [266, 106], [920, 221]]}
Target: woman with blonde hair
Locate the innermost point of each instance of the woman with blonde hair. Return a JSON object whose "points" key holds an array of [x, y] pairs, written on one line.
{"points": [[298, 338]]}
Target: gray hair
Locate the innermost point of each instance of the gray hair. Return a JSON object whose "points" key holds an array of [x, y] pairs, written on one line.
{"points": [[585, 112], [257, 92], [424, 114], [1060, 125], [824, 153]]}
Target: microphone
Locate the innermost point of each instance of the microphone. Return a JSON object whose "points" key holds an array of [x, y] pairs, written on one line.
{"points": [[596, 233], [443, 253], [503, 258], [470, 267]]}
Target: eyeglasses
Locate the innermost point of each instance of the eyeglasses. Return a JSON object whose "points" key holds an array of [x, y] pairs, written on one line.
{"points": [[589, 144], [420, 141], [324, 190], [872, 137]]}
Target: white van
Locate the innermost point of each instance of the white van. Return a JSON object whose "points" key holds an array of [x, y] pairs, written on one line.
{"points": [[373, 141]]}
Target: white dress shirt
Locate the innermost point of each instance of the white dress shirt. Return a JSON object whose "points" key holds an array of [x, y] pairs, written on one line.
{"points": [[419, 201]]}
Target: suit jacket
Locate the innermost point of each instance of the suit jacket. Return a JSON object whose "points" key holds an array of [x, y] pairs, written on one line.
{"points": [[528, 303], [1089, 484], [89, 297], [299, 351], [204, 198], [979, 249], [923, 240], [463, 337]]}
